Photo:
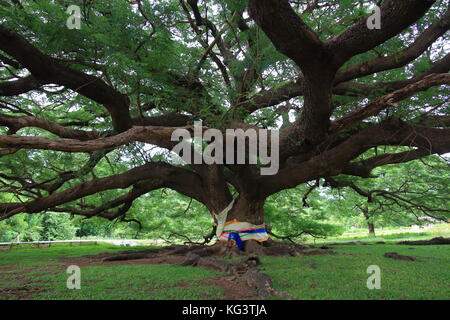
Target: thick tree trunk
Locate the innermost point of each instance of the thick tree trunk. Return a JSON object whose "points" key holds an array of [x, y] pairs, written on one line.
{"points": [[370, 225], [371, 228], [248, 209], [367, 216]]}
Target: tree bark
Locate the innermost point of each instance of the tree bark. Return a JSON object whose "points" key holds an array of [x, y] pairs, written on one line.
{"points": [[370, 224], [248, 209], [371, 228]]}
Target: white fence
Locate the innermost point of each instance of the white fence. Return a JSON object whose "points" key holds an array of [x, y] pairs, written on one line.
{"points": [[128, 243]]}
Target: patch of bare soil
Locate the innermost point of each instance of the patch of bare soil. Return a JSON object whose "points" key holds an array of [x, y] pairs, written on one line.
{"points": [[318, 252], [348, 243], [22, 293], [89, 261], [437, 240], [395, 255], [233, 287]]}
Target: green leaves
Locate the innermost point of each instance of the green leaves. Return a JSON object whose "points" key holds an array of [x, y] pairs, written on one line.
{"points": [[238, 5]]}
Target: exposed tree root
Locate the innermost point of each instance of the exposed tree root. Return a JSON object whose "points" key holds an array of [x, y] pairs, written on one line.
{"points": [[211, 257], [260, 282], [246, 269]]}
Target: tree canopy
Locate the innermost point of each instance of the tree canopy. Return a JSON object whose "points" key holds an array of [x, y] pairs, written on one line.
{"points": [[87, 115]]}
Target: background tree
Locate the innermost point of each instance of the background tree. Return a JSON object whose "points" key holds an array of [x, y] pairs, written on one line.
{"points": [[56, 226], [81, 109], [401, 195]]}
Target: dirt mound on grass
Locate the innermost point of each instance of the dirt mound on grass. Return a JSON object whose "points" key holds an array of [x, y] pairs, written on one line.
{"points": [[437, 240], [23, 293], [348, 243], [395, 255]]}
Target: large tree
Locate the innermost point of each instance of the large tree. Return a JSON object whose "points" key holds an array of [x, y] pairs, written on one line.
{"points": [[79, 108]]}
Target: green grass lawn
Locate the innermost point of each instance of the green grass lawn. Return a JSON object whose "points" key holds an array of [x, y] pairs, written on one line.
{"points": [[134, 282], [26, 255], [41, 270], [340, 276], [344, 276], [390, 235]]}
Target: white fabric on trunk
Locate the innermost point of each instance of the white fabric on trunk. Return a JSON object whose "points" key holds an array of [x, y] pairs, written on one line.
{"points": [[221, 218]]}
